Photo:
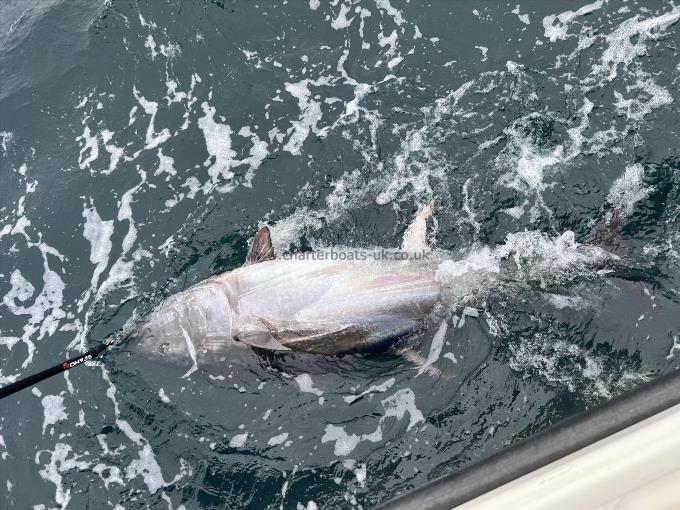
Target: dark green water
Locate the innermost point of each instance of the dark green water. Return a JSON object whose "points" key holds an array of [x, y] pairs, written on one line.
{"points": [[143, 143]]}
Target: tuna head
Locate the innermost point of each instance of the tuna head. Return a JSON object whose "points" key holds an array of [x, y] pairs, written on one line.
{"points": [[188, 325], [197, 324]]}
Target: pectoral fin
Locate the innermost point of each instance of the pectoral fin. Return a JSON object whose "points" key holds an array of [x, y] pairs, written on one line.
{"points": [[262, 248], [344, 339], [262, 340], [334, 340]]}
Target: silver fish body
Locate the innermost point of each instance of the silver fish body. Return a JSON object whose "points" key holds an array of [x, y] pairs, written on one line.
{"points": [[312, 305]]}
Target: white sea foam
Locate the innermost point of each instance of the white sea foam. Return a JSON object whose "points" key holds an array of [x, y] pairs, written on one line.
{"points": [[89, 152], [378, 388], [153, 138], [531, 166], [389, 40], [396, 406], [173, 95], [258, 152], [529, 163], [238, 440], [22, 289], [401, 403], [344, 443], [277, 440], [674, 348], [146, 464], [98, 232], [115, 152], [109, 474], [556, 26], [310, 115], [166, 165], [650, 96], [341, 21], [164, 398], [571, 366], [419, 161], [59, 463], [218, 143], [53, 410], [171, 50], [524, 18], [151, 45], [7, 138], [147, 467], [451, 356], [121, 272], [629, 41], [307, 385], [45, 313], [386, 6], [9, 341], [353, 109]]}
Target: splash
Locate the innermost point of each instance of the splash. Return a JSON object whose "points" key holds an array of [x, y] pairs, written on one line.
{"points": [[534, 256], [626, 191]]}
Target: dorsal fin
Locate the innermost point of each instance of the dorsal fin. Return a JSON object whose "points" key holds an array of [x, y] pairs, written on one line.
{"points": [[262, 248]]}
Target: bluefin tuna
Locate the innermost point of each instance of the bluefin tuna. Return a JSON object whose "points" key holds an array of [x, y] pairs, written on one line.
{"points": [[318, 303]]}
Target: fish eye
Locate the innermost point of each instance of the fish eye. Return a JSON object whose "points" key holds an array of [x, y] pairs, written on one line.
{"points": [[164, 348]]}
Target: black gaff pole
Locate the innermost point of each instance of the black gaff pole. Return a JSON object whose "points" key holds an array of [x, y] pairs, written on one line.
{"points": [[61, 367]]}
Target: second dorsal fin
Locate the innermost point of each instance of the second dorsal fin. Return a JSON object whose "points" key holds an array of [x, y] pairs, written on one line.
{"points": [[262, 248], [415, 237]]}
